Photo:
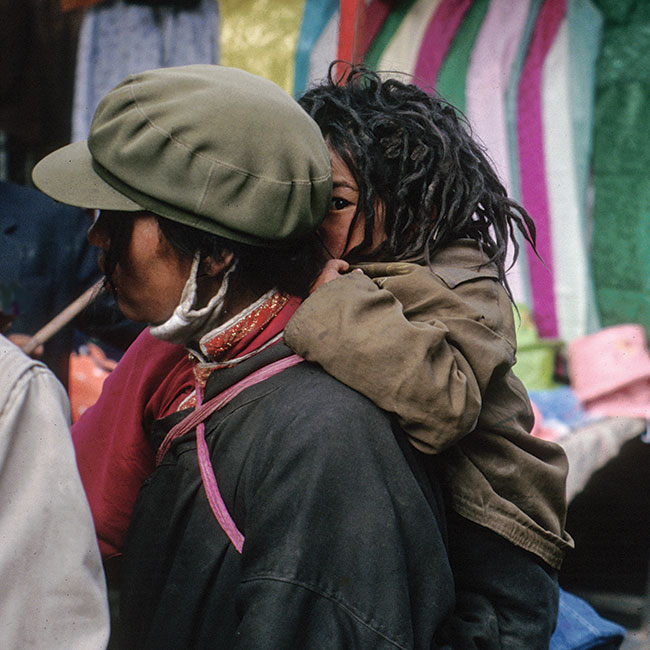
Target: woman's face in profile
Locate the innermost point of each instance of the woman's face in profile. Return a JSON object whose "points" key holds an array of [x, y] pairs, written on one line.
{"points": [[150, 276]]}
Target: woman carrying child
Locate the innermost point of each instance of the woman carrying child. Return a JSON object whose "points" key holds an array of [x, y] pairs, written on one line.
{"points": [[427, 332], [267, 519]]}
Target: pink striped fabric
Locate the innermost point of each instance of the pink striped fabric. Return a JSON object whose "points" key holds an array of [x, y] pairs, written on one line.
{"points": [[531, 161], [438, 37], [488, 77], [487, 82]]}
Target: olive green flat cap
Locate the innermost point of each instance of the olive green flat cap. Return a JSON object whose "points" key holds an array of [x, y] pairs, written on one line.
{"points": [[212, 147]]}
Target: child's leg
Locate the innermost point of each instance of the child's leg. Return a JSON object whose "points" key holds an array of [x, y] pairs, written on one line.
{"points": [[506, 598]]}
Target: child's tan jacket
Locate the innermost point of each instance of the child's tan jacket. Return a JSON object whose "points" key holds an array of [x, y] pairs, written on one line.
{"points": [[436, 347]]}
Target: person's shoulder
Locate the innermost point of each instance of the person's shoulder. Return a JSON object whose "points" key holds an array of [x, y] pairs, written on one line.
{"points": [[461, 262], [152, 352], [14, 362], [307, 400], [406, 281], [460, 282], [17, 371], [149, 368], [317, 385]]}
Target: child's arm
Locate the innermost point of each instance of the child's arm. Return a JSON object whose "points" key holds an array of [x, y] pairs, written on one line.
{"points": [[359, 333], [332, 270]]}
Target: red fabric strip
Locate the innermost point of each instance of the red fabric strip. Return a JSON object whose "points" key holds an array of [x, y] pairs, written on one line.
{"points": [[264, 334], [375, 15], [437, 39], [351, 14]]}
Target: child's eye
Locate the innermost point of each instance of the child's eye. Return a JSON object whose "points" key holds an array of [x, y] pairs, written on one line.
{"points": [[339, 204]]}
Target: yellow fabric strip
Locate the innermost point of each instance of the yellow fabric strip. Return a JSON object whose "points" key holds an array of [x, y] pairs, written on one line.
{"points": [[261, 36]]}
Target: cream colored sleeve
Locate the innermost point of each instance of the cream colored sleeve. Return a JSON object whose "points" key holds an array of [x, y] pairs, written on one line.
{"points": [[358, 333], [52, 594]]}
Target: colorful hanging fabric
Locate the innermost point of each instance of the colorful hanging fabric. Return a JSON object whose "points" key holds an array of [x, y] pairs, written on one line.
{"points": [[531, 167], [375, 16], [351, 18], [453, 71], [511, 97], [324, 50], [621, 160], [437, 39], [487, 83], [567, 91], [261, 36], [316, 16], [401, 52], [513, 149], [488, 76], [386, 33], [117, 39]]}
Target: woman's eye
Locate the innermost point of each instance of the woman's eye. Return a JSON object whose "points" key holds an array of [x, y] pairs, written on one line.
{"points": [[339, 204]]}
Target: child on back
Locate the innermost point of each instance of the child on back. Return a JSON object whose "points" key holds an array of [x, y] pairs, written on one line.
{"points": [[426, 331]]}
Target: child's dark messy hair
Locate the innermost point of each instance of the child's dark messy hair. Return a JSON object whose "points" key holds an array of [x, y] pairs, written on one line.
{"points": [[412, 154]]}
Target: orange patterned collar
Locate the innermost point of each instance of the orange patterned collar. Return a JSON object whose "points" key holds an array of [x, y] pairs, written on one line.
{"points": [[249, 332]]}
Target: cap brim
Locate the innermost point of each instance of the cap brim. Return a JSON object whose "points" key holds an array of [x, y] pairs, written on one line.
{"points": [[67, 175]]}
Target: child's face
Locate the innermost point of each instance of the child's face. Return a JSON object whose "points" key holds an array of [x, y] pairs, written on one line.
{"points": [[336, 225]]}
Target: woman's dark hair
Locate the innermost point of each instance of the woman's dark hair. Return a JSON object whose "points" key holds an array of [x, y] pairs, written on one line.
{"points": [[291, 269], [413, 154], [118, 230]]}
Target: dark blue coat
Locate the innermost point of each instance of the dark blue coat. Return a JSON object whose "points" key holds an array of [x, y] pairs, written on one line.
{"points": [[342, 548], [45, 263]]}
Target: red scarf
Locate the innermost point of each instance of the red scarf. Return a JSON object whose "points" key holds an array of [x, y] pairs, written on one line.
{"points": [[247, 335]]}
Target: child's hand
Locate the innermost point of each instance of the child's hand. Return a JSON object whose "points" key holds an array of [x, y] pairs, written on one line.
{"points": [[332, 270]]}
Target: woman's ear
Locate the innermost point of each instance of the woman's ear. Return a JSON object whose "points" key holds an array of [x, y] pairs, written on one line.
{"points": [[209, 277], [212, 268]]}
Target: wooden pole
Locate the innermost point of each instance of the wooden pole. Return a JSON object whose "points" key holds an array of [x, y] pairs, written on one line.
{"points": [[63, 318]]}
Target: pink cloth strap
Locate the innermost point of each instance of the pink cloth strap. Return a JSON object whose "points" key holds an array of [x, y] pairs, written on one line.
{"points": [[203, 411], [196, 421]]}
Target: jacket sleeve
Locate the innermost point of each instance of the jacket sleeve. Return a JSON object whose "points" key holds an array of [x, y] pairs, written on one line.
{"points": [[360, 334], [342, 549], [114, 454], [53, 590]]}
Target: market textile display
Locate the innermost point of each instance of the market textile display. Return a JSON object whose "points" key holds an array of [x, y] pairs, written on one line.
{"points": [[524, 74], [119, 38], [538, 80], [621, 159]]}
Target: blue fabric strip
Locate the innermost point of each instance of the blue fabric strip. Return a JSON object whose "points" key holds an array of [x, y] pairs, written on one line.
{"points": [[317, 14]]}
